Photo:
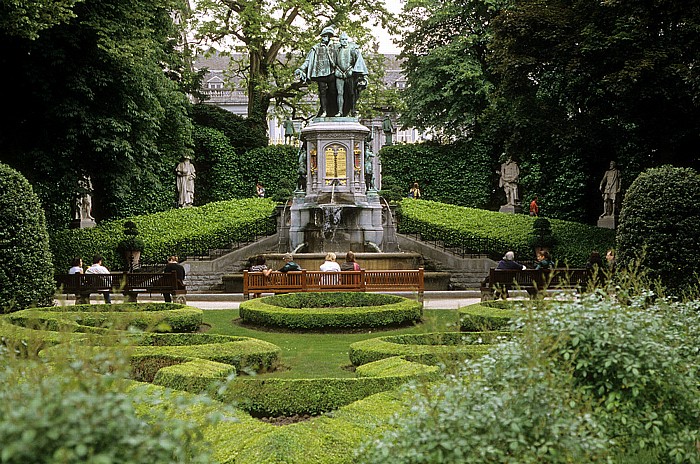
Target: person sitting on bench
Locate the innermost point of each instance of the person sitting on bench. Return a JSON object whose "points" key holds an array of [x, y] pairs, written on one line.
{"points": [[508, 262]]}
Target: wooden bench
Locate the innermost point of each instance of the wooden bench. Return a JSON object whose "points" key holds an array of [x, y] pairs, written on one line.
{"points": [[344, 281], [499, 281], [130, 285]]}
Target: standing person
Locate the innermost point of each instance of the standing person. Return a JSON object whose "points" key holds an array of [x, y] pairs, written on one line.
{"points": [[350, 264], [260, 190], [76, 266], [534, 207], [414, 192], [610, 188], [174, 265], [289, 264], [510, 176], [508, 262], [185, 182], [544, 261], [98, 268], [320, 67]]}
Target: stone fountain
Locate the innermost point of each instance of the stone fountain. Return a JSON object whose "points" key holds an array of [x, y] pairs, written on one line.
{"points": [[335, 209]]}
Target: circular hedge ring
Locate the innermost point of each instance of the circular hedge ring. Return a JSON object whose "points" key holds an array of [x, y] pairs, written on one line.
{"points": [[429, 348], [157, 317], [334, 310]]}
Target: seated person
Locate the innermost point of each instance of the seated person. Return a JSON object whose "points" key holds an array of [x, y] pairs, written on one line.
{"points": [[330, 265], [289, 264], [508, 262], [544, 261], [350, 264]]}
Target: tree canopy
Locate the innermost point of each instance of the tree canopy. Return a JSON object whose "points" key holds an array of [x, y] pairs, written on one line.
{"points": [[275, 36], [101, 98]]}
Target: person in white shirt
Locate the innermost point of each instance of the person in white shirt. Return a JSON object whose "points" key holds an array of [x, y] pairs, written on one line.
{"points": [[76, 266], [98, 268], [330, 265]]}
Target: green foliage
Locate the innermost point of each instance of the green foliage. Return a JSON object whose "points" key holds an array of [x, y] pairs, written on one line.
{"points": [[337, 310], [495, 233], [275, 167], [29, 18], [458, 173], [660, 224], [66, 412], [186, 231], [240, 132], [483, 317], [615, 380], [218, 175], [131, 242], [430, 348], [288, 397], [541, 234], [157, 317], [25, 274], [97, 88]]}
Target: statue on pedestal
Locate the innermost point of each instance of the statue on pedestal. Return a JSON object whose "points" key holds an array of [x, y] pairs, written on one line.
{"points": [[510, 176], [388, 129], [610, 188], [185, 182], [319, 66], [369, 165]]}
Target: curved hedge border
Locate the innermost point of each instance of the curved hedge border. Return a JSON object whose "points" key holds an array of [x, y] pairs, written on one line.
{"points": [[458, 226], [337, 310], [158, 317], [482, 317], [243, 353], [286, 397], [429, 348]]}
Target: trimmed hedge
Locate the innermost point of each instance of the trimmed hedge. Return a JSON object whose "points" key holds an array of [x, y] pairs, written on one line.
{"points": [[336, 310], [195, 376], [241, 352], [429, 348], [660, 225], [185, 231], [158, 317], [25, 261], [482, 317], [495, 233], [287, 397]]}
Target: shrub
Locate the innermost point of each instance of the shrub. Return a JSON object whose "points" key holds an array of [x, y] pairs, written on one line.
{"points": [[337, 310], [458, 173], [26, 271], [494, 233], [660, 224], [483, 317], [239, 131], [186, 231], [218, 175], [66, 413]]}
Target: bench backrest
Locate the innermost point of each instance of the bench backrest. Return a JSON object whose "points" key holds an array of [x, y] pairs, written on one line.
{"points": [[319, 281], [85, 283]]}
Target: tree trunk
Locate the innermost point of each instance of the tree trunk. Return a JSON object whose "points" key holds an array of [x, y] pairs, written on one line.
{"points": [[258, 98]]}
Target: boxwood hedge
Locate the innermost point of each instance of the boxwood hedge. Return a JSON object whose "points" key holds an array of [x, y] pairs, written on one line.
{"points": [[484, 317], [158, 317], [429, 348], [495, 233], [337, 310], [186, 231]]}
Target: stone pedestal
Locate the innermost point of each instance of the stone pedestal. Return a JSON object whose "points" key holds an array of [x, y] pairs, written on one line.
{"points": [[336, 212], [510, 209], [82, 223], [607, 222]]}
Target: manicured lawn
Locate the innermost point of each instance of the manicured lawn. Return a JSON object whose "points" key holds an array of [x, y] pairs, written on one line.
{"points": [[314, 355]]}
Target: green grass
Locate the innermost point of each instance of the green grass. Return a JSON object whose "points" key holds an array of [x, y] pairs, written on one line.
{"points": [[317, 355]]}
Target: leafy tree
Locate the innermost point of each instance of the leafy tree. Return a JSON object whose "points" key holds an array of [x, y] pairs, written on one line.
{"points": [[237, 128], [218, 174], [27, 18], [26, 274], [98, 101], [275, 36], [445, 62]]}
